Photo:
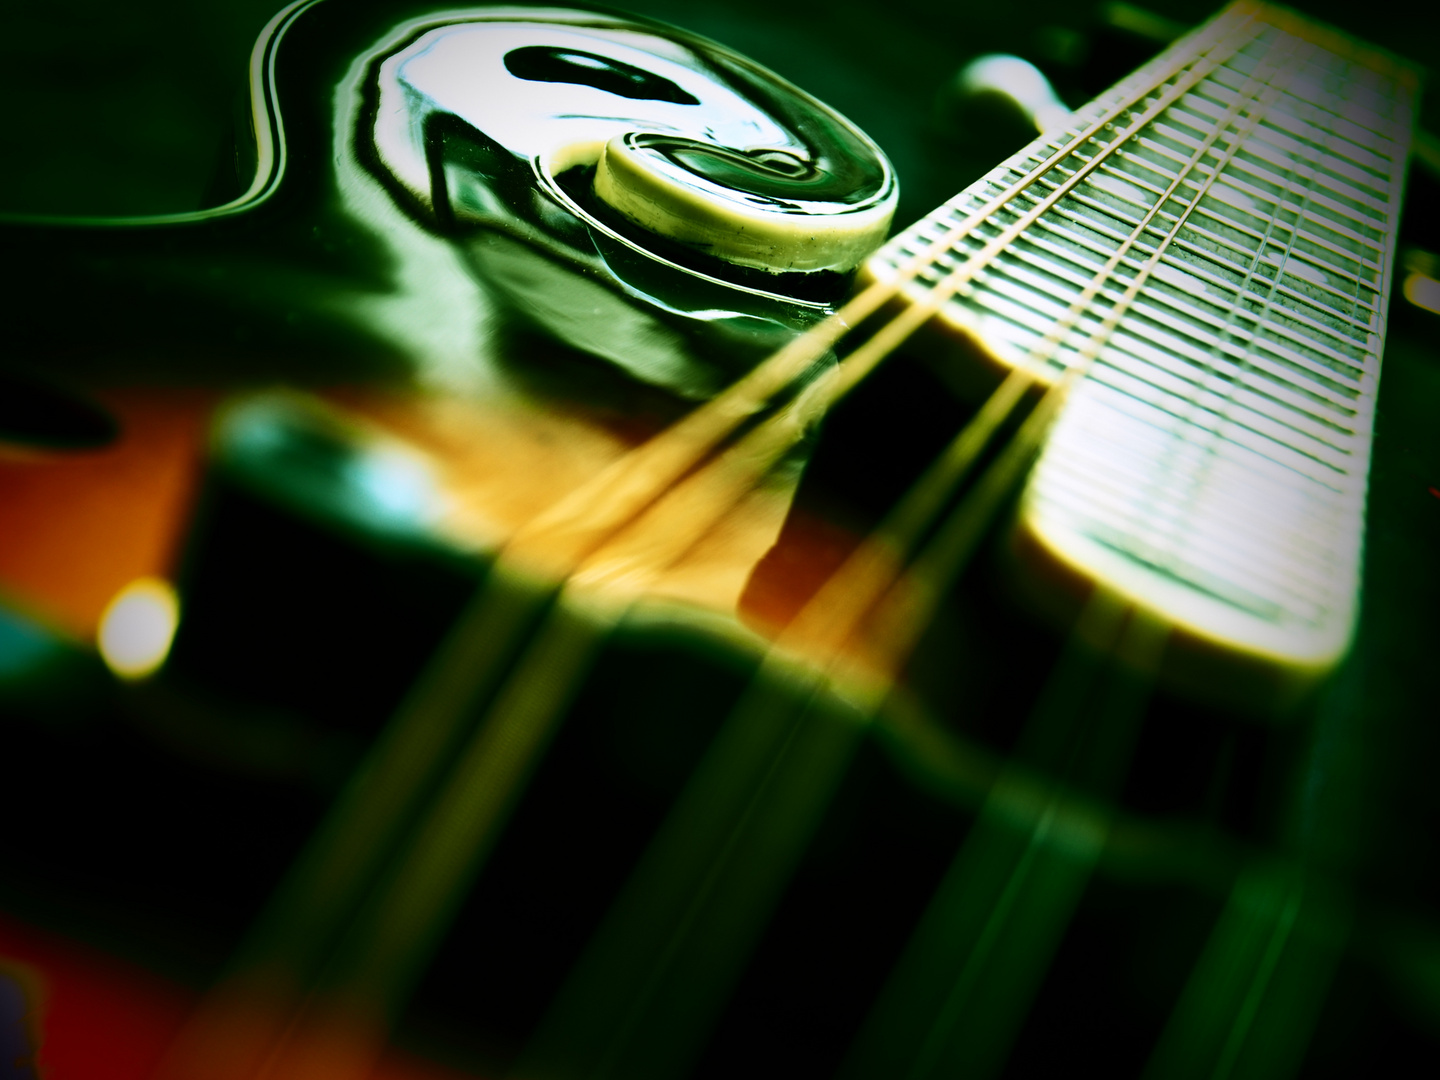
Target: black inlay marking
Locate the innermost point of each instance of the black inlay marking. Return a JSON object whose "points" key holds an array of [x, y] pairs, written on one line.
{"points": [[547, 63]]}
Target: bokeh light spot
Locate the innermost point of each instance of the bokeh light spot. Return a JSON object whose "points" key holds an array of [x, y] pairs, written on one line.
{"points": [[1423, 291], [138, 627]]}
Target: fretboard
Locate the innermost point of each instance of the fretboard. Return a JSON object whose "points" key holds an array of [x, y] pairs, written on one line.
{"points": [[1216, 266]]}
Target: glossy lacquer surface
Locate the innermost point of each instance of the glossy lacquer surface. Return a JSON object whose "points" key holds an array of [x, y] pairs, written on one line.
{"points": [[303, 341]]}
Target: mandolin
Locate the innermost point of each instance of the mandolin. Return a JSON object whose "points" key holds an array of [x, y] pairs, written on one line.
{"points": [[621, 616]]}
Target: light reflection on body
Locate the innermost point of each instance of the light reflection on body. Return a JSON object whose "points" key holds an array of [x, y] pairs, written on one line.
{"points": [[722, 198], [732, 194]]}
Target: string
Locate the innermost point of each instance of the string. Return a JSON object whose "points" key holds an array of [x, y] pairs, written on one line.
{"points": [[559, 538], [1280, 572], [814, 398], [655, 467], [833, 613], [909, 612], [653, 472]]}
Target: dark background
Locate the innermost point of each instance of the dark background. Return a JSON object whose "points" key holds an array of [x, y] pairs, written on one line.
{"points": [[126, 108]]}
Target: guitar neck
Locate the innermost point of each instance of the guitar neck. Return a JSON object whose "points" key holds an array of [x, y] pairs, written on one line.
{"points": [[1207, 249]]}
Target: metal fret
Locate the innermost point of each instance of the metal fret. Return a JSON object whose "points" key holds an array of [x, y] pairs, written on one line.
{"points": [[1327, 269], [1212, 463], [1249, 196], [1170, 303], [1325, 364], [1178, 68]]}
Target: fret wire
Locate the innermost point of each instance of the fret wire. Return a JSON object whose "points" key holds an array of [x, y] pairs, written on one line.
{"points": [[850, 371], [1109, 294], [1266, 382], [1290, 250], [1383, 215], [1302, 297], [1269, 151], [1367, 164], [1127, 302], [1288, 352], [876, 343], [1347, 254], [1294, 175], [750, 393], [1318, 377], [1167, 431], [1228, 542], [1194, 270], [1088, 133], [1146, 185], [1289, 246], [1313, 104], [1302, 422], [957, 279], [1342, 123], [939, 294], [1221, 441], [1363, 161], [1342, 342], [558, 538], [1147, 528], [1204, 104], [1334, 226], [1305, 299], [1108, 326], [1264, 385], [1131, 178], [1211, 278], [1110, 211], [1353, 189], [1247, 481], [1321, 383], [1290, 568], [1358, 187], [1223, 513], [1226, 292], [1328, 268], [1142, 371], [1167, 129], [1159, 149], [1104, 208], [1231, 588], [1278, 588], [1287, 243], [1222, 537], [1334, 202], [674, 451], [1084, 136], [1138, 379], [1053, 339], [1353, 247], [1239, 226]]}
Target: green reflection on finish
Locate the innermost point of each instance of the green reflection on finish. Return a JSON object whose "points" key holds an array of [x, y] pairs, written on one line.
{"points": [[1252, 1000], [964, 985]]}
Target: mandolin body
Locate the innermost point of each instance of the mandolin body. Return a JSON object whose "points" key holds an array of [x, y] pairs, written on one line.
{"points": [[828, 753]]}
